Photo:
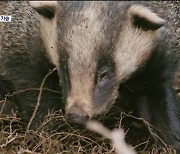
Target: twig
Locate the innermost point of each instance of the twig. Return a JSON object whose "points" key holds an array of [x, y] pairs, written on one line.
{"points": [[39, 98], [149, 127], [29, 89], [22, 151], [4, 102], [116, 136], [23, 91]]}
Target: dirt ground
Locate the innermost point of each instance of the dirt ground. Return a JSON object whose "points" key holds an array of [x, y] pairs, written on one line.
{"points": [[56, 136]]}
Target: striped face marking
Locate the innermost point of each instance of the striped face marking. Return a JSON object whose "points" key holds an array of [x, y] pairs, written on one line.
{"points": [[96, 46], [83, 41]]}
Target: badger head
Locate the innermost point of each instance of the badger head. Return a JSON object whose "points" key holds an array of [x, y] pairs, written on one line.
{"points": [[95, 46]]}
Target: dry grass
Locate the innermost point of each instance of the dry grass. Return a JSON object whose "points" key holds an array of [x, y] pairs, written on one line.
{"points": [[56, 136]]}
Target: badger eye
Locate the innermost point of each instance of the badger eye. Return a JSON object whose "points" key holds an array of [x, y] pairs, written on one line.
{"points": [[104, 75]]}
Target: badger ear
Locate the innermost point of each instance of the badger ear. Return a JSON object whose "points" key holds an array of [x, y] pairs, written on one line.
{"points": [[45, 8], [144, 18]]}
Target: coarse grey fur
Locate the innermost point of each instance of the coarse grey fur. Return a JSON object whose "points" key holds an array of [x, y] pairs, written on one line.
{"points": [[24, 64]]}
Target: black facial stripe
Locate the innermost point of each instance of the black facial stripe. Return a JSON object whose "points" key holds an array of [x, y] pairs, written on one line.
{"points": [[64, 73], [104, 89], [112, 25], [105, 58]]}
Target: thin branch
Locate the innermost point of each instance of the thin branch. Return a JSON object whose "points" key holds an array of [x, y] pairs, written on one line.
{"points": [[149, 127], [39, 98], [116, 136]]}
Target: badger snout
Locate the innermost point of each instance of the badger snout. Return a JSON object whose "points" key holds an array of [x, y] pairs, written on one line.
{"points": [[76, 115]]}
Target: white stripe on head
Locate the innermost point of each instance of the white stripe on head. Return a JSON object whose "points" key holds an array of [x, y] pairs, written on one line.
{"points": [[135, 44], [84, 40], [48, 29]]}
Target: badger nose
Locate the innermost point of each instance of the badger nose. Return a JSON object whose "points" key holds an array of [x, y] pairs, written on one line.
{"points": [[76, 115], [76, 119]]}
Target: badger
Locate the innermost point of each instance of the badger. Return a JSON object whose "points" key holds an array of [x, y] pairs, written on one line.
{"points": [[102, 51], [99, 48]]}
